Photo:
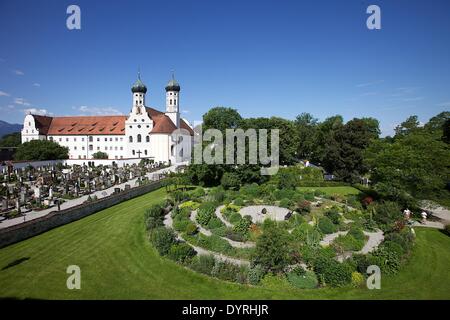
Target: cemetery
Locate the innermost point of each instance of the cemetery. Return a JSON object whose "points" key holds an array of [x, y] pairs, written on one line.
{"points": [[31, 189]]}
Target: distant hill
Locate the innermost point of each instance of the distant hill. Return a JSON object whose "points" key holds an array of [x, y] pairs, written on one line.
{"points": [[6, 128]]}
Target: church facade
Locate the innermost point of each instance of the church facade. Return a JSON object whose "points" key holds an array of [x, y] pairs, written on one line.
{"points": [[145, 133]]}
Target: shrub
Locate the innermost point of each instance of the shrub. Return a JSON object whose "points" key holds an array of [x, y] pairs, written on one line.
{"points": [[393, 247], [242, 226], [162, 239], [205, 213], [307, 234], [357, 233], [226, 271], [271, 250], [326, 226], [180, 225], [332, 272], [255, 274], [387, 260], [191, 229], [347, 243], [154, 217], [334, 216], [191, 205], [357, 279], [404, 238], [308, 280], [203, 264], [235, 218], [285, 203], [198, 192], [238, 202], [303, 206], [181, 252], [215, 223]]}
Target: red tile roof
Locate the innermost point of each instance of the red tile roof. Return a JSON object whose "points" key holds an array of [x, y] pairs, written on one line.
{"points": [[162, 124], [102, 125], [88, 125]]}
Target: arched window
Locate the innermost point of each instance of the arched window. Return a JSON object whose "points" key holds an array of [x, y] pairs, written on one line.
{"points": [[139, 138], [170, 101], [175, 101], [147, 139], [131, 139]]}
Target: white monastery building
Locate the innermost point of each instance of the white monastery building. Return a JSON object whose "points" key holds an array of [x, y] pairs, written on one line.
{"points": [[145, 133]]}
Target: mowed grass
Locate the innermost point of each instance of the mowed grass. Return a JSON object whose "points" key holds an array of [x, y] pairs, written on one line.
{"points": [[341, 190], [117, 262]]}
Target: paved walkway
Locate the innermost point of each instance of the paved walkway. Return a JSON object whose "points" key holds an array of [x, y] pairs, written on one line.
{"points": [[74, 202]]}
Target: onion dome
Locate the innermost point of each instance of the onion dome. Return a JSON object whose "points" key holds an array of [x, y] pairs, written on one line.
{"points": [[173, 85], [139, 86]]}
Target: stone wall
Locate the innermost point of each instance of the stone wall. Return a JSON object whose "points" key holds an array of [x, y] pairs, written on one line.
{"points": [[55, 219]]}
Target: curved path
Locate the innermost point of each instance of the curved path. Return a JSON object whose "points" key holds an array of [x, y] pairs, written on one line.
{"points": [[208, 233], [372, 243], [220, 216], [168, 222]]}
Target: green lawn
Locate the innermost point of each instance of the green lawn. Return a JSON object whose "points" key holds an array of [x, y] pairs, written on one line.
{"points": [[117, 262], [342, 190]]}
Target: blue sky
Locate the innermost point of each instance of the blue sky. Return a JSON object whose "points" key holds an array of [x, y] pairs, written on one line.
{"points": [[263, 58]]}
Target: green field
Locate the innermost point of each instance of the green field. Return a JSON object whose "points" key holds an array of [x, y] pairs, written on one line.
{"points": [[341, 190], [117, 262]]}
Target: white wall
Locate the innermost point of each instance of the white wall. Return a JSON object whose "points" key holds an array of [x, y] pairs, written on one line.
{"points": [[83, 146]]}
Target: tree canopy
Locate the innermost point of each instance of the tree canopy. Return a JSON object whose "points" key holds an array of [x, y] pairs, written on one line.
{"points": [[41, 150]]}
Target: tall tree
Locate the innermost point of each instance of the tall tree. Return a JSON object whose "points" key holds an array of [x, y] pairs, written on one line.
{"points": [[409, 125], [344, 156], [307, 132]]}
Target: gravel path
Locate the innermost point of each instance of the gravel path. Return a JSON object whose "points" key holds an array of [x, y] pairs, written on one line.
{"points": [[373, 242], [206, 232], [220, 216], [168, 222], [329, 238], [273, 212]]}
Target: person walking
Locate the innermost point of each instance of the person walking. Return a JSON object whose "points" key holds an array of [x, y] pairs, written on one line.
{"points": [[424, 216]]}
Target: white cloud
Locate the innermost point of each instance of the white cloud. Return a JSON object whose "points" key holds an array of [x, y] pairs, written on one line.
{"points": [[86, 110], [185, 111], [5, 94], [36, 84], [369, 83], [42, 112], [22, 102], [18, 72]]}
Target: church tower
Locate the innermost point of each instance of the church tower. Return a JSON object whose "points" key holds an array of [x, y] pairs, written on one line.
{"points": [[173, 101], [138, 124], [139, 90]]}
